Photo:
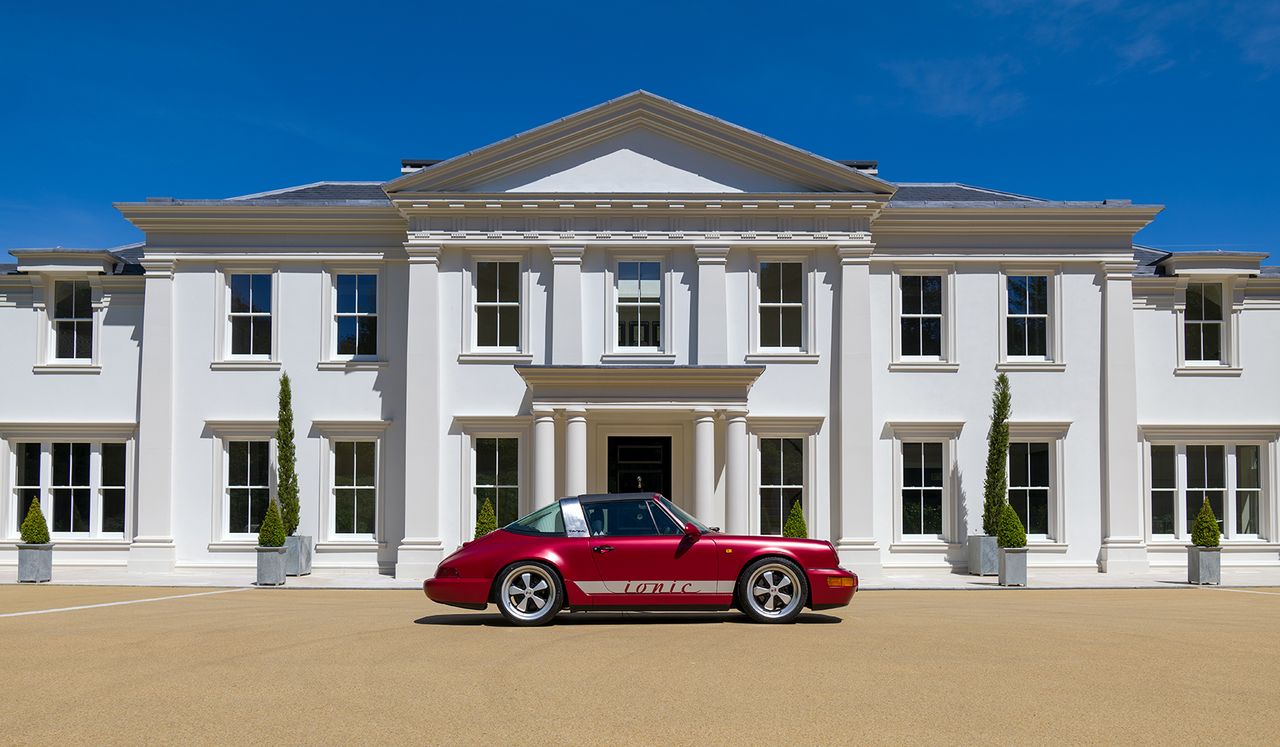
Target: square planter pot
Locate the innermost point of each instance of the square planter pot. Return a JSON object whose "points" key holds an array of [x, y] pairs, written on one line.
{"points": [[984, 560], [271, 566], [1013, 566], [1204, 565], [297, 556], [35, 563]]}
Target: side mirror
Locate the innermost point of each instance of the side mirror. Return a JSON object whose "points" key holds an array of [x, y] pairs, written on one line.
{"points": [[691, 531]]}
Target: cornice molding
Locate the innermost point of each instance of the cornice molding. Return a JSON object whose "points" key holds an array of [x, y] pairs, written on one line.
{"points": [[222, 217]]}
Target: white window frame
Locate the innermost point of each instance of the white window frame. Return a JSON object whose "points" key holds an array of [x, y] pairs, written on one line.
{"points": [[1053, 359], [91, 319], [947, 361], [223, 432], [614, 352], [330, 359], [223, 359], [332, 432], [1232, 306], [44, 301], [1230, 443], [491, 427], [759, 427], [806, 352], [472, 351], [1053, 433], [948, 434]]}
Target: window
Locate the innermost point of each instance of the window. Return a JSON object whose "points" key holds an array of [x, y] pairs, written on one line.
{"points": [[497, 477], [72, 320], [70, 487], [498, 305], [248, 484], [621, 518], [1164, 489], [1027, 321], [250, 314], [1248, 492], [781, 480], [26, 478], [1202, 328], [639, 304], [922, 488], [356, 316], [1029, 485], [781, 305], [1230, 476], [1206, 480], [113, 487], [921, 316], [355, 487]]}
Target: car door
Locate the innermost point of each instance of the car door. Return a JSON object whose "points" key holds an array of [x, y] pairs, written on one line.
{"points": [[645, 559]]}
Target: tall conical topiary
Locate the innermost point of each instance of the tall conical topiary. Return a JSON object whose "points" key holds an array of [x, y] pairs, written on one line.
{"points": [[286, 460], [486, 519], [1011, 532], [1204, 530], [271, 533], [794, 525], [995, 487], [35, 530]]}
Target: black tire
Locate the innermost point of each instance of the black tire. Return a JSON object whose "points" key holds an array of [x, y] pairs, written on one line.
{"points": [[772, 590], [529, 593]]}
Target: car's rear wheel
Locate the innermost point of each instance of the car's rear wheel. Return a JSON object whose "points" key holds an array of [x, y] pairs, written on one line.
{"points": [[773, 590], [529, 593]]}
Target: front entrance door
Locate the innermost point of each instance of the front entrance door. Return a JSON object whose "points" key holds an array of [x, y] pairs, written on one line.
{"points": [[640, 464]]}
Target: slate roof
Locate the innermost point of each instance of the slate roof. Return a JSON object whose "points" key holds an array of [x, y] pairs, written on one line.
{"points": [[321, 191], [953, 192]]}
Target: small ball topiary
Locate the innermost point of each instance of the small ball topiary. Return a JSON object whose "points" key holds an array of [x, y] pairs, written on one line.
{"points": [[486, 519], [1011, 533], [271, 533], [1204, 531], [794, 525], [35, 530]]}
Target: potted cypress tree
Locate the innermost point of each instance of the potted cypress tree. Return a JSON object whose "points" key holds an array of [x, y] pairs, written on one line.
{"points": [[1204, 555], [271, 550], [486, 519], [983, 560], [794, 526], [35, 551], [1013, 548], [298, 548]]}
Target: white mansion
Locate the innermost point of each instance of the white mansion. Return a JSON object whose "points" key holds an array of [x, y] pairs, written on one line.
{"points": [[638, 296]]}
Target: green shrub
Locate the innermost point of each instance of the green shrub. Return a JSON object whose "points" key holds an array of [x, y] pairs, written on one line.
{"points": [[287, 460], [271, 533], [1011, 532], [995, 487], [1204, 532], [35, 530], [486, 519], [794, 525]]}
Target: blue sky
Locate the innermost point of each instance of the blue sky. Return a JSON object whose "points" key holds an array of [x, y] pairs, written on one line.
{"points": [[1174, 101]]}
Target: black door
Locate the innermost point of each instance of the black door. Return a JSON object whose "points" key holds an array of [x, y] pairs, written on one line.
{"points": [[640, 464]]}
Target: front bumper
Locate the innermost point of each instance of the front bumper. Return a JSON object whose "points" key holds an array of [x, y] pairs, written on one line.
{"points": [[823, 596], [468, 593]]}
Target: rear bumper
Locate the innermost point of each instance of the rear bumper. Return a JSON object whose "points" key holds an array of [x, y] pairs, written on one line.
{"points": [[823, 596], [468, 593]]}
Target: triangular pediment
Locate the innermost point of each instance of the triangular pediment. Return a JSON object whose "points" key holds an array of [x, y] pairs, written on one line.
{"points": [[638, 144]]}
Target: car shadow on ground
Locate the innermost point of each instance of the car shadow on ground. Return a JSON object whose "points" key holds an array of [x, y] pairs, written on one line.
{"points": [[620, 618]]}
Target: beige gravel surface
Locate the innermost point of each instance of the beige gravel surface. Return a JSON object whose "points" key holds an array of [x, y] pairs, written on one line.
{"points": [[925, 667]]}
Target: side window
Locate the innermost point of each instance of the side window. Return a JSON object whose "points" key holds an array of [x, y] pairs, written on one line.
{"points": [[666, 525], [1028, 316], [356, 316], [781, 305], [639, 305], [250, 314], [921, 316], [620, 519], [73, 320], [497, 305], [1202, 334]]}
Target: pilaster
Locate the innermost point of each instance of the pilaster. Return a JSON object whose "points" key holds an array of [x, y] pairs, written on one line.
{"points": [[566, 304], [711, 313]]}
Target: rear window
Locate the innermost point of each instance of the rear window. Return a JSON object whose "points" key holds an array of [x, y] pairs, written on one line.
{"points": [[546, 521]]}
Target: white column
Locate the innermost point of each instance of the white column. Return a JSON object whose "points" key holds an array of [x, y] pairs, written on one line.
{"points": [[857, 542], [566, 304], [704, 464], [152, 549], [713, 338], [422, 549], [544, 458], [1123, 545], [737, 503], [575, 451]]}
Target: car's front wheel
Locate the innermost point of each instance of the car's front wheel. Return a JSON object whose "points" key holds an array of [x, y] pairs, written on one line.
{"points": [[772, 590], [529, 593]]}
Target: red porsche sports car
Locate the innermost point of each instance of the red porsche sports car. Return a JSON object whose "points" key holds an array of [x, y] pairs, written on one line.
{"points": [[636, 551]]}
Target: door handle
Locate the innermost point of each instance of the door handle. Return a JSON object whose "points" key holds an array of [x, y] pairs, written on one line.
{"points": [[602, 548]]}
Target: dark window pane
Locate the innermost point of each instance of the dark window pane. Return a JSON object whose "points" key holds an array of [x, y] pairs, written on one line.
{"points": [[508, 508], [64, 300], [1212, 344], [1017, 295], [650, 321], [237, 462], [28, 465], [1248, 470], [932, 465], [1018, 474], [1037, 337], [80, 510], [84, 340], [1216, 466], [509, 327], [487, 281], [487, 326], [912, 464], [1039, 512], [366, 510], [240, 290], [791, 327], [239, 510], [1195, 468], [1018, 499], [261, 294], [80, 464], [911, 512], [261, 335], [770, 327], [911, 301], [66, 342], [260, 498], [931, 292], [1191, 340], [61, 464], [1038, 294], [1212, 301], [367, 298], [347, 335], [770, 511], [931, 512], [1162, 512], [367, 336], [259, 462], [1038, 464], [793, 461], [486, 461], [344, 511], [770, 282], [509, 282], [911, 336], [1195, 301], [792, 282], [1017, 336], [346, 294], [344, 463], [508, 462], [61, 510], [931, 337], [770, 461], [25, 497], [366, 463], [113, 510], [1163, 467], [241, 336]]}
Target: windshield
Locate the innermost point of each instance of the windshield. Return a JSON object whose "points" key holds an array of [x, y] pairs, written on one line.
{"points": [[546, 520], [684, 516]]}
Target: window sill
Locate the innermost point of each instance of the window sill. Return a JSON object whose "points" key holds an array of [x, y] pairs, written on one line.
{"points": [[923, 545], [351, 365], [1166, 544], [1207, 371], [1031, 366], [78, 543], [244, 545], [783, 358], [340, 545], [245, 365], [67, 368], [638, 358], [508, 358], [939, 366]]}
